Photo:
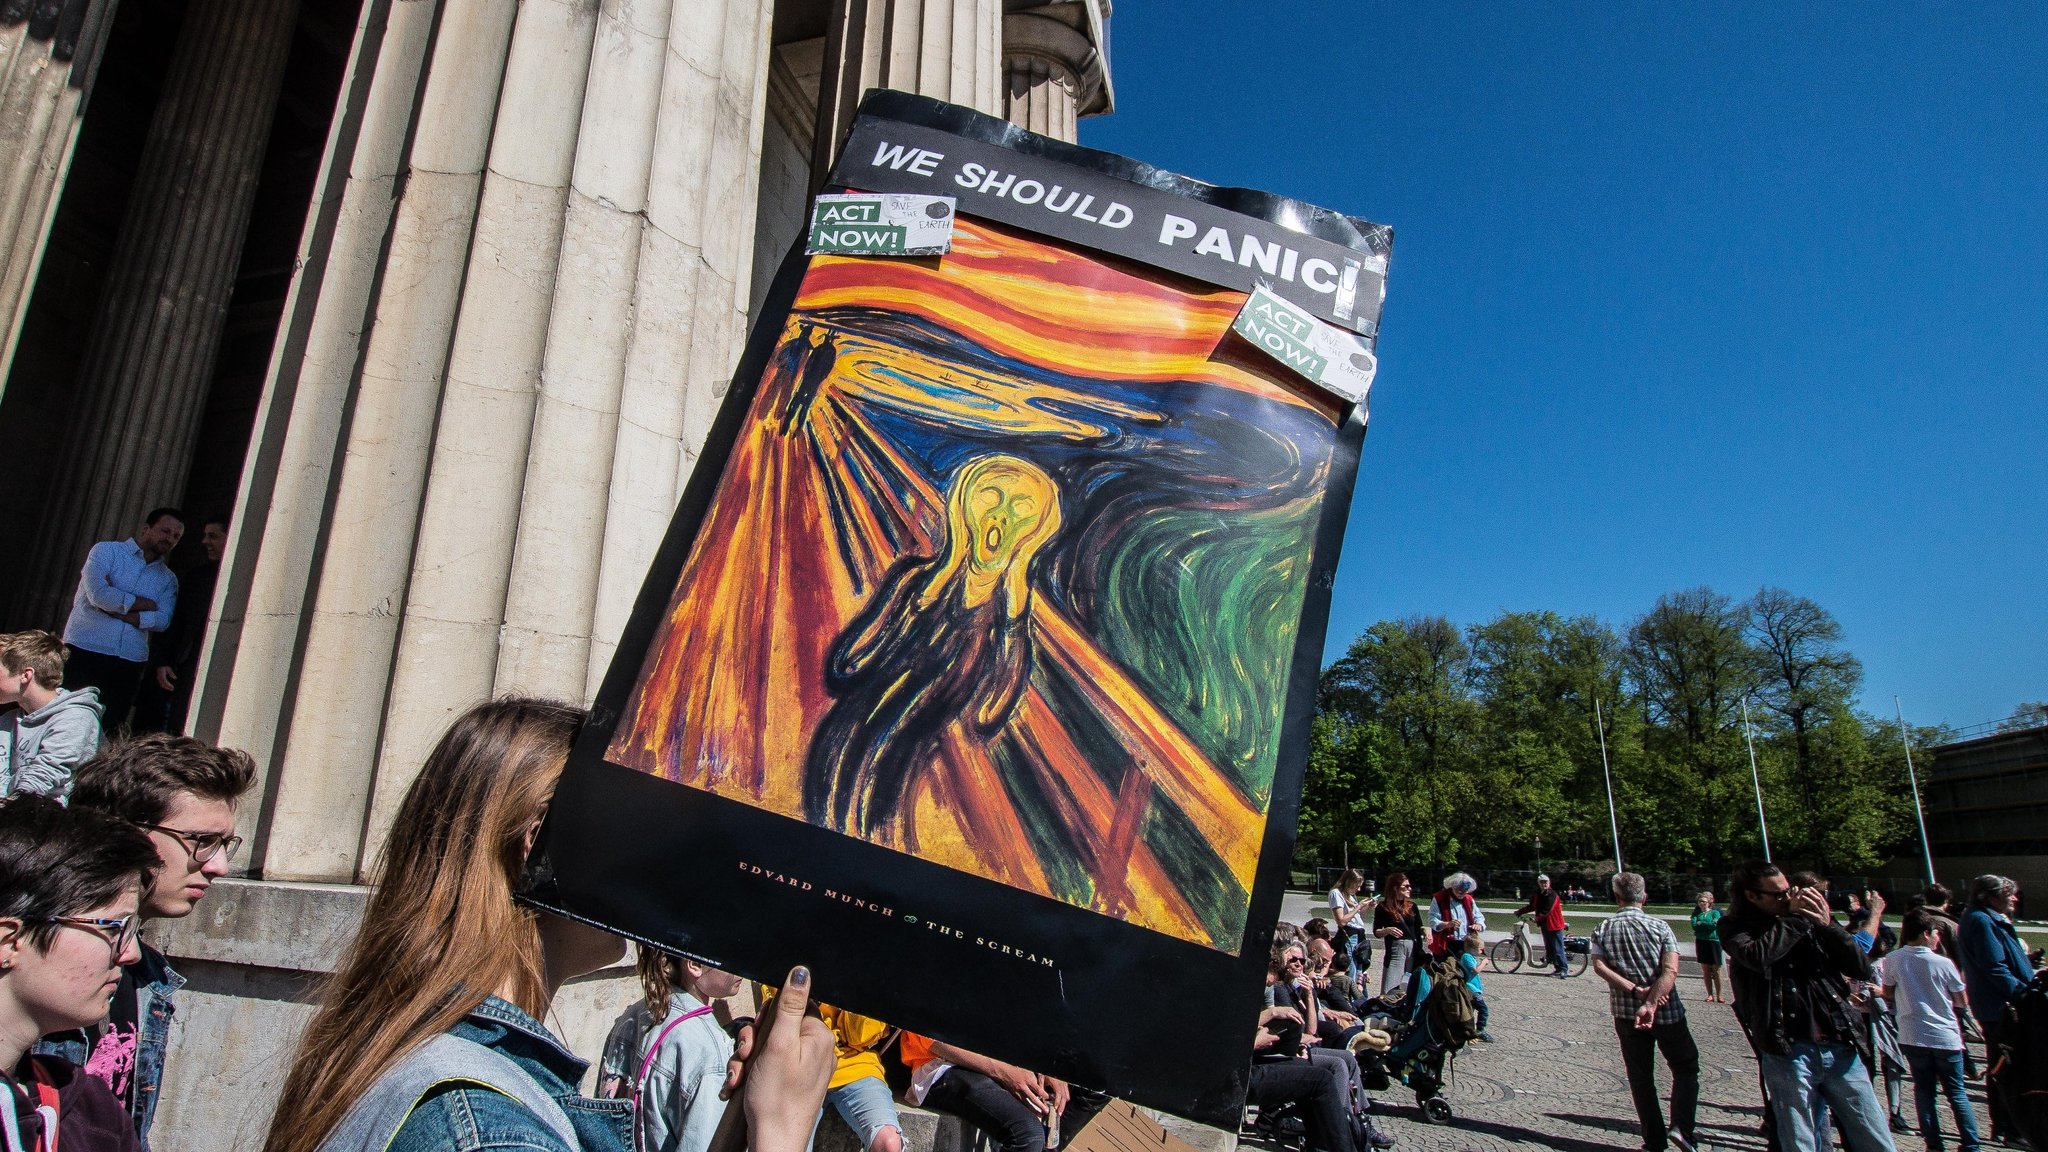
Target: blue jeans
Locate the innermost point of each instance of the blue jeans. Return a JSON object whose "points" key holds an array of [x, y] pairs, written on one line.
{"points": [[866, 1105], [1935, 1066], [1813, 1077], [1553, 947]]}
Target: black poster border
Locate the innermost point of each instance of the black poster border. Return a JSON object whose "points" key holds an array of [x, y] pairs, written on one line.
{"points": [[1024, 978]]}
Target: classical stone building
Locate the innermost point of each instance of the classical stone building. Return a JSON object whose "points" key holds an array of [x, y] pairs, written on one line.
{"points": [[439, 298]]}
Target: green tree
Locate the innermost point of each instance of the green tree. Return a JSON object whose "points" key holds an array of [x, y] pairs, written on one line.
{"points": [[1409, 678], [1535, 676], [1804, 675], [1343, 790], [1691, 664]]}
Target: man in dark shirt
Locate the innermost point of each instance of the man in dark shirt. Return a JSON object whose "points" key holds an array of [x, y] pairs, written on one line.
{"points": [[1790, 966]]}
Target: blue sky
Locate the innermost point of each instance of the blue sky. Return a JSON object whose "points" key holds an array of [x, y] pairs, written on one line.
{"points": [[1681, 294]]}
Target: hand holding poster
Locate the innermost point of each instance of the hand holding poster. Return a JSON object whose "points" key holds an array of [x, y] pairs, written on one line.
{"points": [[977, 667]]}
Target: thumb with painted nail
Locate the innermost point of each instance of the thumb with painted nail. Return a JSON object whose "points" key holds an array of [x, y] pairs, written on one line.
{"points": [[785, 1082]]}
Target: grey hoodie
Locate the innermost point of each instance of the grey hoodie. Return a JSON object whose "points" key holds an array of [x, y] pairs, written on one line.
{"points": [[39, 749]]}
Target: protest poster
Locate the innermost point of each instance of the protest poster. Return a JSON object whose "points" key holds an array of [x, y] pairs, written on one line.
{"points": [[977, 666]]}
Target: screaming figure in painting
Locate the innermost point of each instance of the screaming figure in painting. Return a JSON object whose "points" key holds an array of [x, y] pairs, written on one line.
{"points": [[945, 641]]}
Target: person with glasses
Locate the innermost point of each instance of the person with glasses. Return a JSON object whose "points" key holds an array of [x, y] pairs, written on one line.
{"points": [[181, 794], [1791, 967], [71, 884]]}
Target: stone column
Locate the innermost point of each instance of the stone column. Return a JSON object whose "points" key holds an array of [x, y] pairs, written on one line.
{"points": [[250, 663], [545, 643], [1052, 73], [692, 294], [48, 55], [462, 561], [149, 360], [316, 830], [948, 49]]}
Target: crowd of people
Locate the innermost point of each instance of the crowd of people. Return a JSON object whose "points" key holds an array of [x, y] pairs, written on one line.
{"points": [[1830, 1007], [126, 660], [429, 1033]]}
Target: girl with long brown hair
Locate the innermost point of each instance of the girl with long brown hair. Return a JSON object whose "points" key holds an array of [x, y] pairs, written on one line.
{"points": [[1398, 921], [428, 1035]]}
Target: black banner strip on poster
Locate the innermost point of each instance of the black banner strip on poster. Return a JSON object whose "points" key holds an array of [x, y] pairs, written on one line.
{"points": [[1334, 266]]}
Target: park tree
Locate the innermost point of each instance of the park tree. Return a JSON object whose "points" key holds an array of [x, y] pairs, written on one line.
{"points": [[1691, 664], [1436, 745], [2032, 714], [1343, 791], [1535, 677], [1803, 673], [1409, 677]]}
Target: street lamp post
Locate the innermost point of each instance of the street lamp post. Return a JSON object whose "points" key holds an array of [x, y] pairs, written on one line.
{"points": [[1539, 855]]}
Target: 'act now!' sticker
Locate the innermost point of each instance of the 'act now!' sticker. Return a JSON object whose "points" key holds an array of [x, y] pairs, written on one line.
{"points": [[1324, 353], [891, 224]]}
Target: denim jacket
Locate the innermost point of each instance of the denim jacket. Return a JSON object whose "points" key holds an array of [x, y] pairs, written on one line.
{"points": [[156, 984], [468, 1118]]}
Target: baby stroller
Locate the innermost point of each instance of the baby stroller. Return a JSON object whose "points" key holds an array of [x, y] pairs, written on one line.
{"points": [[1416, 1051]]}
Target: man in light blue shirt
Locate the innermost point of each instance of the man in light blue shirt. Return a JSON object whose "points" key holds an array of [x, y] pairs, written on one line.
{"points": [[125, 592]]}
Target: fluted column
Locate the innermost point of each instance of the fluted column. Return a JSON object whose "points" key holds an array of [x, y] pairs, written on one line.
{"points": [[149, 359], [545, 642], [243, 696], [462, 562], [316, 830], [691, 304], [947, 49], [48, 54], [1052, 73]]}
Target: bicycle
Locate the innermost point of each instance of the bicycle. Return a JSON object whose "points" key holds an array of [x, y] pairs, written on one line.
{"points": [[1511, 954]]}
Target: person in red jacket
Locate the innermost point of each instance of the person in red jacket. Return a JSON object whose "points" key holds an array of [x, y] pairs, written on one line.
{"points": [[1549, 912]]}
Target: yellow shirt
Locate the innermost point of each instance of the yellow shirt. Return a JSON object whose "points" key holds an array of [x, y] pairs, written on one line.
{"points": [[860, 1040]]}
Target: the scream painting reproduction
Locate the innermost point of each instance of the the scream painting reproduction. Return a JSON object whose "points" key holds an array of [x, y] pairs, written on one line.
{"points": [[1005, 570]]}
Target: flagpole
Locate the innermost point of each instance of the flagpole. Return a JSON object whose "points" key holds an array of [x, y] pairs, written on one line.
{"points": [[1613, 824], [1913, 781], [1763, 829]]}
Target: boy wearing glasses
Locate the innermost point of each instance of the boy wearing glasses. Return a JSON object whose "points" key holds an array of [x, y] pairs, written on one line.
{"points": [[181, 793]]}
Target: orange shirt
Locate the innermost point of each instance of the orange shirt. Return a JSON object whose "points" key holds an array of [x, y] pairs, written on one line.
{"points": [[914, 1049]]}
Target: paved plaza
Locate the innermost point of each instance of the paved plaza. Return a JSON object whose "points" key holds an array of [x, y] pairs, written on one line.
{"points": [[1553, 1077]]}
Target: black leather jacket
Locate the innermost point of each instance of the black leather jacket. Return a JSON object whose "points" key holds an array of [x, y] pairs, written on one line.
{"points": [[1771, 961]]}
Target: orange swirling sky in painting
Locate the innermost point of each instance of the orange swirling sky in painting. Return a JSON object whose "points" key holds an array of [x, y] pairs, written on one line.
{"points": [[815, 504]]}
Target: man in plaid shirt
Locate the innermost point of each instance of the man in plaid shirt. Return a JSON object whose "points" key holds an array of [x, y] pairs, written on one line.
{"points": [[1637, 955]]}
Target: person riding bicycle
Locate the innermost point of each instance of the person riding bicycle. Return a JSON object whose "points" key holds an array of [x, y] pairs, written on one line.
{"points": [[1549, 912]]}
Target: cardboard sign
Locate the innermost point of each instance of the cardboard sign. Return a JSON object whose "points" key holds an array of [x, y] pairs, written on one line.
{"points": [[873, 225], [977, 667], [1120, 1127]]}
